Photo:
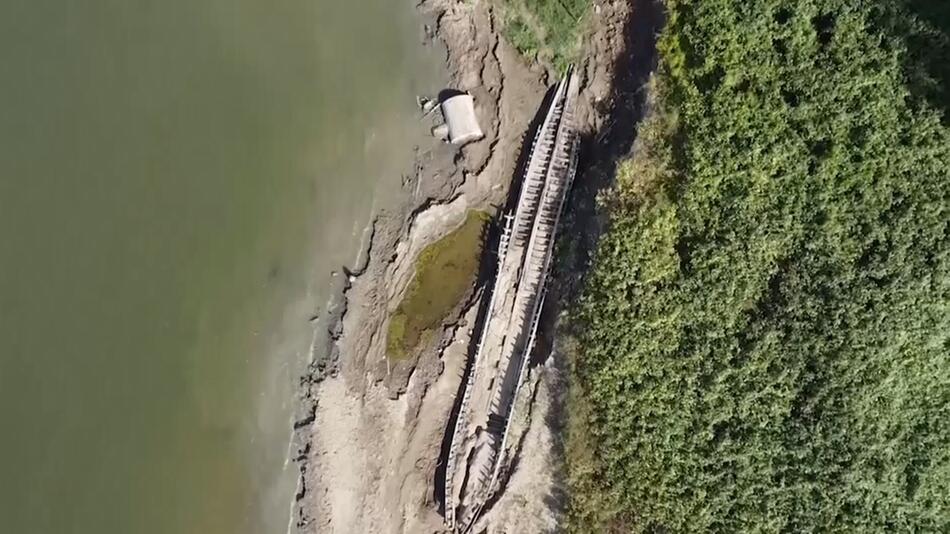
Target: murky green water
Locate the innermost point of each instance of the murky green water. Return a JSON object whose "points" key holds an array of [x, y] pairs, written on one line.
{"points": [[177, 178]]}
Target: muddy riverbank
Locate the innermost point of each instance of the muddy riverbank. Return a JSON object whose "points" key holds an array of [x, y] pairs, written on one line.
{"points": [[369, 436]]}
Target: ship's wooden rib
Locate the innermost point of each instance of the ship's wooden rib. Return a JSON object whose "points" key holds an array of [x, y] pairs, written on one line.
{"points": [[480, 432]]}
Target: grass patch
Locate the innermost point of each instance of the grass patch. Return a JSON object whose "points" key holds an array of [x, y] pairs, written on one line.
{"points": [[444, 272], [547, 31]]}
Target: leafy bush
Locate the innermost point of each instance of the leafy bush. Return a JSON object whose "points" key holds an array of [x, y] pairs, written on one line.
{"points": [[765, 333]]}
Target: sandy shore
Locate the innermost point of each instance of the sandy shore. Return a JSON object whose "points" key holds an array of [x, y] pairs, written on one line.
{"points": [[370, 432]]}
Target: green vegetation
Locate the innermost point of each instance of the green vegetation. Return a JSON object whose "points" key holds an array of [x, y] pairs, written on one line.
{"points": [[445, 270], [545, 30], [764, 339]]}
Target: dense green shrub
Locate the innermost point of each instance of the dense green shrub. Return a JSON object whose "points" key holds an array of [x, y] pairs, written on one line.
{"points": [[765, 333]]}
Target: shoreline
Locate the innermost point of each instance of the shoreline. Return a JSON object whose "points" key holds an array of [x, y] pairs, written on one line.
{"points": [[368, 431]]}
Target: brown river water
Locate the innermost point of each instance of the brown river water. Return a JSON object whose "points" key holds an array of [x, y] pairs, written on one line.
{"points": [[177, 180]]}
